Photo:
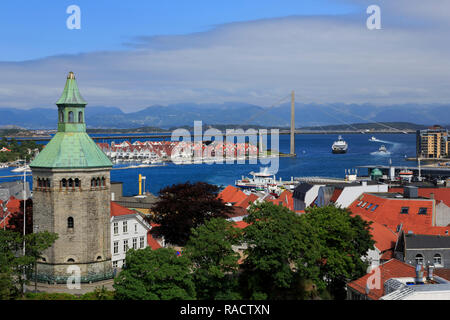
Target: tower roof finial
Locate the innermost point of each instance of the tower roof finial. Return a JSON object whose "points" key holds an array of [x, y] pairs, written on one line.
{"points": [[71, 75]]}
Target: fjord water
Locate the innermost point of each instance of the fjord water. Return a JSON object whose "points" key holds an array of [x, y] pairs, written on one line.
{"points": [[314, 158]]}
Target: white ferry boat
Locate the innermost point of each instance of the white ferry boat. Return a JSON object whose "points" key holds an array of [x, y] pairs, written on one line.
{"points": [[265, 181], [339, 146]]}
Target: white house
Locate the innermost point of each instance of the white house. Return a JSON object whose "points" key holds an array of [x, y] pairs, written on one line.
{"points": [[129, 230]]}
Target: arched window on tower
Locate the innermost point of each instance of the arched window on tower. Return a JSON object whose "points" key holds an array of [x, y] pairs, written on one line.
{"points": [[71, 117], [39, 182], [77, 183], [70, 183], [80, 117], [61, 116], [97, 182], [64, 183], [70, 223], [48, 183], [103, 181], [92, 183]]}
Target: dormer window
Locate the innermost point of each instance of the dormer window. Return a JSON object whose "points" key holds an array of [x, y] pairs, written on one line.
{"points": [[80, 117], [423, 211], [71, 116]]}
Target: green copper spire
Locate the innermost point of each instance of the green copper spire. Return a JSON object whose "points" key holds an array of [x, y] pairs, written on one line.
{"points": [[71, 147], [71, 94]]}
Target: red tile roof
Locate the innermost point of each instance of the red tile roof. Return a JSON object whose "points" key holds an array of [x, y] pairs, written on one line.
{"points": [[152, 243], [384, 238], [388, 213], [241, 224], [285, 199], [232, 195], [13, 205], [247, 201], [391, 269], [443, 273], [118, 210]]}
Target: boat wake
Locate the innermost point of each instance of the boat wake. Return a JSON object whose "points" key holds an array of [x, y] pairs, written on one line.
{"points": [[380, 154]]}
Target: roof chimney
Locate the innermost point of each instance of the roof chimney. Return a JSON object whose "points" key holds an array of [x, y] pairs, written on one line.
{"points": [[419, 273], [411, 192], [430, 272]]}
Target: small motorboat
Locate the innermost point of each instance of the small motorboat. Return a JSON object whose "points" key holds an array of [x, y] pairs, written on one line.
{"points": [[373, 139]]}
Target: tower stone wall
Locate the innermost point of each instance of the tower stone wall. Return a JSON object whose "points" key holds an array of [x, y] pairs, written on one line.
{"points": [[87, 243]]}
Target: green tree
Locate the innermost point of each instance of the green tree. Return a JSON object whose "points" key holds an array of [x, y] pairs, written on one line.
{"points": [[14, 264], [343, 241], [215, 263], [282, 254], [155, 275], [185, 206]]}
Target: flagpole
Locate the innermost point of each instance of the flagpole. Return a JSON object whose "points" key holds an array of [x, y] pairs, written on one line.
{"points": [[24, 216]]}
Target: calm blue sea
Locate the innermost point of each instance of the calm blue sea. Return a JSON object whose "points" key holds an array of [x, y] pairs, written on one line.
{"points": [[314, 158]]}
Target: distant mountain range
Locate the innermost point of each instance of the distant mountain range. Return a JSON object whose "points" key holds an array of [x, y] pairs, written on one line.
{"points": [[184, 114]]}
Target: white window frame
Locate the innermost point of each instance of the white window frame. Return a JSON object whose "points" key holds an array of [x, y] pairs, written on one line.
{"points": [[135, 243], [125, 227], [116, 247], [125, 245], [116, 228]]}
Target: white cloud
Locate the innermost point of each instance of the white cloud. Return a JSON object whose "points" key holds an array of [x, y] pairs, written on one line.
{"points": [[325, 59]]}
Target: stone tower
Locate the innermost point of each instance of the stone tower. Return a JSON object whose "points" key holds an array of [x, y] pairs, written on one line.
{"points": [[71, 196]]}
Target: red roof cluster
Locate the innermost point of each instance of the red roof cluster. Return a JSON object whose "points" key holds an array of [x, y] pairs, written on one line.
{"points": [[285, 199]]}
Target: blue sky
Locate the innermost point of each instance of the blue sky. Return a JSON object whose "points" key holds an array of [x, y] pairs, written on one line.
{"points": [[33, 29], [137, 53]]}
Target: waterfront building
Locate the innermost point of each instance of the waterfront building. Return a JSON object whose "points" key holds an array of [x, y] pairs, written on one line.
{"points": [[433, 142], [71, 197]]}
